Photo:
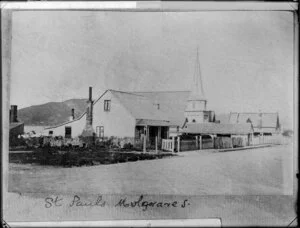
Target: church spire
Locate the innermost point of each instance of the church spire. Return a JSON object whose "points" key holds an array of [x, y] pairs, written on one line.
{"points": [[197, 92]]}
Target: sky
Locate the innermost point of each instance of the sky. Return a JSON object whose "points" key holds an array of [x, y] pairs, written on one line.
{"points": [[246, 57]]}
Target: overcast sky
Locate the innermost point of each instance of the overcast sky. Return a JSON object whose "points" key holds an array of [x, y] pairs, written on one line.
{"points": [[246, 57]]}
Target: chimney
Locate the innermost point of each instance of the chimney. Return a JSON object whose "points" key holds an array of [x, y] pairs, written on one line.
{"points": [[89, 111], [72, 114], [13, 113], [90, 93], [88, 130]]}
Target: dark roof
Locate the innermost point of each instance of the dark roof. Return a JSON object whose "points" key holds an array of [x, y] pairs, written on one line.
{"points": [[264, 120], [216, 128], [144, 122]]}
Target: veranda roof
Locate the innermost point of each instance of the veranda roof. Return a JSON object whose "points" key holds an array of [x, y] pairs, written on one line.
{"points": [[217, 128]]}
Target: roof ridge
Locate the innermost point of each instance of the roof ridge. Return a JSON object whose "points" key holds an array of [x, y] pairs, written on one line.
{"points": [[119, 91], [253, 113], [171, 91]]}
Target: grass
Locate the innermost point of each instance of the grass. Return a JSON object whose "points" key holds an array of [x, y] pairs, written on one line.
{"points": [[70, 157]]}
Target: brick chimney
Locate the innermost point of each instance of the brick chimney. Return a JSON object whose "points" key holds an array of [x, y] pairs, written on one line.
{"points": [[88, 131], [13, 113], [72, 117], [89, 110]]}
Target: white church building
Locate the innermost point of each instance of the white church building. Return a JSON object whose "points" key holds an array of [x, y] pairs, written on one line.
{"points": [[135, 114]]}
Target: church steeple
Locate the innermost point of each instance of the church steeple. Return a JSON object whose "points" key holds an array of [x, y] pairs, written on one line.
{"points": [[197, 92], [195, 111]]}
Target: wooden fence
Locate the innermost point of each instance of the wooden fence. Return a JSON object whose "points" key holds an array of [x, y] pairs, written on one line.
{"points": [[221, 142], [272, 139], [168, 144], [186, 145]]}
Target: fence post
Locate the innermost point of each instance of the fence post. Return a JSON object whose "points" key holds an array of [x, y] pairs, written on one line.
{"points": [[200, 142], [156, 144], [178, 144], [173, 143], [144, 144]]}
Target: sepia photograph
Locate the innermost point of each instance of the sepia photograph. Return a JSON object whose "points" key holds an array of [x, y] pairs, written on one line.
{"points": [[150, 115]]}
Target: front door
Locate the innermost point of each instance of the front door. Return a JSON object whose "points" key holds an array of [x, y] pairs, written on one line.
{"points": [[153, 132]]}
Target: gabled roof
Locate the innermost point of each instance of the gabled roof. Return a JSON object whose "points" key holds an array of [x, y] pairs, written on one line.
{"points": [[171, 103], [216, 128], [144, 105], [15, 124], [258, 120], [140, 106]]}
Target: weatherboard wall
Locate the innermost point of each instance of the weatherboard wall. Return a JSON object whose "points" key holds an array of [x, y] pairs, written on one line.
{"points": [[118, 121], [77, 127]]}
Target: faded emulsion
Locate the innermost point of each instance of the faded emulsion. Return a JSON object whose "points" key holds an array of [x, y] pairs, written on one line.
{"points": [[173, 114]]}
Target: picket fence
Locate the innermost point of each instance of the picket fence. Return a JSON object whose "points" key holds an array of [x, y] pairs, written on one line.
{"points": [[273, 139], [168, 144]]}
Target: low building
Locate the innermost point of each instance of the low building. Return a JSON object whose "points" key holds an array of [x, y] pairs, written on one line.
{"points": [[216, 129], [216, 135], [263, 123], [16, 128], [126, 115]]}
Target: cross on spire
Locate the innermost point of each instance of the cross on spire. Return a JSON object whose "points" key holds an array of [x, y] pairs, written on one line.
{"points": [[197, 92]]}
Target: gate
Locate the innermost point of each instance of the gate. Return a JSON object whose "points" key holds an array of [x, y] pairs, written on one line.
{"points": [[168, 144]]}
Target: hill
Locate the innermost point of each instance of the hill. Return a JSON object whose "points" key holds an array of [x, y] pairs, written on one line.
{"points": [[51, 113]]}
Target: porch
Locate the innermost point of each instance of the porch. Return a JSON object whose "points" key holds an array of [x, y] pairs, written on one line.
{"points": [[150, 133], [151, 136]]}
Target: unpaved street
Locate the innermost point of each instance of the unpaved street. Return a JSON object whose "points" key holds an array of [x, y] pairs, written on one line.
{"points": [[264, 171]]}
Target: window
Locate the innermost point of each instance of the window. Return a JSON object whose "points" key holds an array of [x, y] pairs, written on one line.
{"points": [[68, 132], [206, 116], [107, 105], [100, 131], [194, 121], [50, 133]]}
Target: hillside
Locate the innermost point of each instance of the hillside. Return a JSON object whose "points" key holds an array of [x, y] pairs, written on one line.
{"points": [[51, 113]]}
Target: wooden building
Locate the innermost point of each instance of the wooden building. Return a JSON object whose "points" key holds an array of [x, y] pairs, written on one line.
{"points": [[135, 115], [263, 123], [16, 128]]}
